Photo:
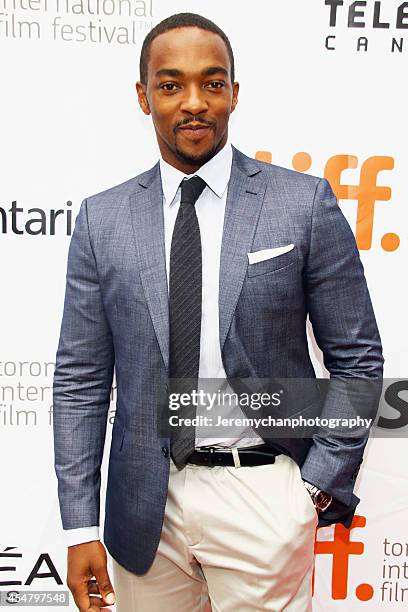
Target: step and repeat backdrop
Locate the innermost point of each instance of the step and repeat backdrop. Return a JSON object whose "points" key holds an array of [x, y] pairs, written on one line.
{"points": [[322, 91]]}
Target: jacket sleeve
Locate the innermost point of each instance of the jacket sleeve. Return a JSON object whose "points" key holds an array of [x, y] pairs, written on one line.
{"points": [[345, 329], [82, 384]]}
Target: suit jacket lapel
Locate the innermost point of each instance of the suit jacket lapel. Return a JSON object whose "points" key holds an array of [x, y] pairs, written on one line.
{"points": [[146, 206], [244, 201]]}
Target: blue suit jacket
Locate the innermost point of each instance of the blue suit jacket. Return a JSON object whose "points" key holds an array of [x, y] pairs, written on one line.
{"points": [[116, 314]]}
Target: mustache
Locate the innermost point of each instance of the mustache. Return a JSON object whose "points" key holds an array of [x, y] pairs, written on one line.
{"points": [[193, 120]]}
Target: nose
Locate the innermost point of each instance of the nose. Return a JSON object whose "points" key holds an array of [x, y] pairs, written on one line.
{"points": [[194, 101]]}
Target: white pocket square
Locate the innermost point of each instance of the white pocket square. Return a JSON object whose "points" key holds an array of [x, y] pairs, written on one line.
{"points": [[268, 253]]}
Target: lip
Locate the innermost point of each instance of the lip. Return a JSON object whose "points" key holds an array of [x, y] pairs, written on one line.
{"points": [[194, 125], [195, 131]]}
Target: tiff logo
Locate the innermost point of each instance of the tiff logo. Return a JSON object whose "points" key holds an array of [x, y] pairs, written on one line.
{"points": [[340, 549], [366, 192]]}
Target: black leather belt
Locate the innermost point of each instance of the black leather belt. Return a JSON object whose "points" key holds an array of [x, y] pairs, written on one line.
{"points": [[210, 456]]}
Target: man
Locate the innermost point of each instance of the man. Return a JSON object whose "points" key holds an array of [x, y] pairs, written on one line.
{"points": [[205, 266]]}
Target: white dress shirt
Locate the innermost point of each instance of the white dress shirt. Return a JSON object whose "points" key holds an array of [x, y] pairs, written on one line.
{"points": [[210, 208]]}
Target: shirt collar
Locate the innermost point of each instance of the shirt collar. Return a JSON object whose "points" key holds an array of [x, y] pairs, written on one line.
{"points": [[216, 173]]}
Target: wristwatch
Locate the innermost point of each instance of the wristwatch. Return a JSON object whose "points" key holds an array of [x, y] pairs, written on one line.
{"points": [[321, 499]]}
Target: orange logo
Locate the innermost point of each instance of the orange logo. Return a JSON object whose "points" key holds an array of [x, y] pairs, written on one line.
{"points": [[366, 193], [341, 548]]}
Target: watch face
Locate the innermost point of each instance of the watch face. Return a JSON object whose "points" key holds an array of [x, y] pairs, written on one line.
{"points": [[323, 500]]}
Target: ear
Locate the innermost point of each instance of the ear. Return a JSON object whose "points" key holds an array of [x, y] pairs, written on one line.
{"points": [[142, 98], [235, 90]]}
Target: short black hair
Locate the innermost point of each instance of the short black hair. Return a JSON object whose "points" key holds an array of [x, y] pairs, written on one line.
{"points": [[181, 20]]}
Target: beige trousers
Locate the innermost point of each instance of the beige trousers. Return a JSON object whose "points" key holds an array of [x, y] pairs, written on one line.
{"points": [[234, 539]]}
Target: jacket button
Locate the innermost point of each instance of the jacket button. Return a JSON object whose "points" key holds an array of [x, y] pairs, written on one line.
{"points": [[165, 451]]}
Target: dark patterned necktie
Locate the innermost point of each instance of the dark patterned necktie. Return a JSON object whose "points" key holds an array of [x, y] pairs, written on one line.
{"points": [[185, 290]]}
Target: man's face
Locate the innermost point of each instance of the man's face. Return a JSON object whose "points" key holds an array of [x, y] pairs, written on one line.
{"points": [[189, 95]]}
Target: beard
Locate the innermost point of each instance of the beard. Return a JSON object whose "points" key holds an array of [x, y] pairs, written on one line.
{"points": [[196, 158], [199, 158]]}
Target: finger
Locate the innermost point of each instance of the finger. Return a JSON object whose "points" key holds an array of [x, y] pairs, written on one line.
{"points": [[81, 597], [104, 584], [97, 605], [93, 588]]}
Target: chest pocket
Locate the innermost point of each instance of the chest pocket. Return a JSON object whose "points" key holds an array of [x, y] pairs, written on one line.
{"points": [[273, 264]]}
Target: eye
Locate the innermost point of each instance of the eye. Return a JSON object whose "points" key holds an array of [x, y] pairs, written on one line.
{"points": [[216, 84], [168, 86]]}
